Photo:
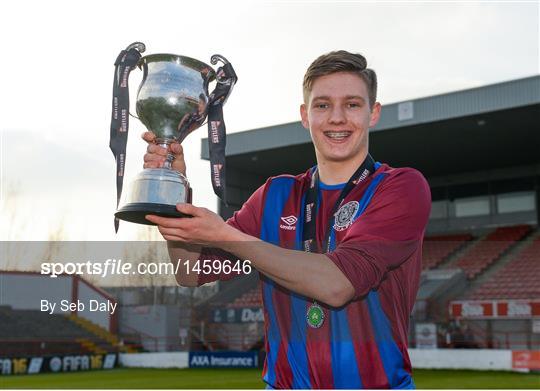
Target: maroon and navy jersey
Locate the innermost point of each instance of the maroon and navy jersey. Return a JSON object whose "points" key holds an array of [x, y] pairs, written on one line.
{"points": [[377, 244]]}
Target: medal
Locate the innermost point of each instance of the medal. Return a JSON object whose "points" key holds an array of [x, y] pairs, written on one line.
{"points": [[315, 316]]}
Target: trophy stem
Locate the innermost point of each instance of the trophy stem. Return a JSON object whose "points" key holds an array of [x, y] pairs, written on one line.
{"points": [[170, 157]]}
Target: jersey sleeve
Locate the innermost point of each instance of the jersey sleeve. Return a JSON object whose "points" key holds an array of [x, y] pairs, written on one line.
{"points": [[387, 234], [247, 220]]}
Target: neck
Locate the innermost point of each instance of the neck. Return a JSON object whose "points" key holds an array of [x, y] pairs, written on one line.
{"points": [[336, 172]]}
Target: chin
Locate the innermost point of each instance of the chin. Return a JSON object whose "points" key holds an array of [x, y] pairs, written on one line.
{"points": [[339, 158], [337, 154]]}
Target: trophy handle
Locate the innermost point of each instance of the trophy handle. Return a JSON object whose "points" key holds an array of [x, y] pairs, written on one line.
{"points": [[141, 48], [214, 60], [225, 77], [218, 57]]}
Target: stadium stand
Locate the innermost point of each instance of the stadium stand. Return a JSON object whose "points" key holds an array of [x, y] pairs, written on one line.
{"points": [[33, 332], [100, 334], [516, 280], [437, 287], [232, 290], [251, 298], [17, 324], [490, 248], [438, 249], [234, 295], [503, 260]]}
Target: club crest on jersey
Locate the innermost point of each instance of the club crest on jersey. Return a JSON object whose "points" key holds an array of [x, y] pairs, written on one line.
{"points": [[345, 215]]}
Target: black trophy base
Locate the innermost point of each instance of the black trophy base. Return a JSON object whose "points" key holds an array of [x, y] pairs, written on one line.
{"points": [[136, 212]]}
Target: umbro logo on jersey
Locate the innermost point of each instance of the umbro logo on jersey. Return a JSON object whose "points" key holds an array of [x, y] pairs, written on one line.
{"points": [[290, 222]]}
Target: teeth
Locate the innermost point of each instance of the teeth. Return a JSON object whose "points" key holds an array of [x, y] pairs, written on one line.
{"points": [[337, 135]]}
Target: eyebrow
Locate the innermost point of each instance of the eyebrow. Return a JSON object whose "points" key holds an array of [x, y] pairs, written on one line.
{"points": [[325, 97]]}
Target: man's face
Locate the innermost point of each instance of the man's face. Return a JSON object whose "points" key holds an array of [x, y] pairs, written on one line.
{"points": [[338, 116]]}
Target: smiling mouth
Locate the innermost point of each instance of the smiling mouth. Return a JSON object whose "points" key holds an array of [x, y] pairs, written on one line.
{"points": [[337, 135]]}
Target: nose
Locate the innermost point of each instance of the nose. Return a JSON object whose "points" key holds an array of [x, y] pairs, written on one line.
{"points": [[337, 115]]}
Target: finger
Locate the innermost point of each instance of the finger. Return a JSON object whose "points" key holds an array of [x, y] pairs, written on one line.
{"points": [[153, 148], [173, 238], [168, 222], [190, 209], [149, 137], [179, 165], [152, 157], [177, 149], [152, 165], [173, 232]]}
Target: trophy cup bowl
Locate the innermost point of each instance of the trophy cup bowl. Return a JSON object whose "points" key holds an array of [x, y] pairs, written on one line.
{"points": [[172, 101]]}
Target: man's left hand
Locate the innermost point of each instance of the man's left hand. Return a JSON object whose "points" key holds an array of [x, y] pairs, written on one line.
{"points": [[204, 228]]}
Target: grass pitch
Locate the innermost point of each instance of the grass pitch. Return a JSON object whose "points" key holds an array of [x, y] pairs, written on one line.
{"points": [[137, 378]]}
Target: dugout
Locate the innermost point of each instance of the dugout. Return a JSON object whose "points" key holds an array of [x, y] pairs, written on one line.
{"points": [[478, 148]]}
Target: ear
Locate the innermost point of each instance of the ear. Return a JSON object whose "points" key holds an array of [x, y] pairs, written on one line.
{"points": [[304, 116], [375, 114]]}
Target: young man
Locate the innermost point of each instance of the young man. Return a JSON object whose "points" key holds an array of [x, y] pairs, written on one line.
{"points": [[338, 247]]}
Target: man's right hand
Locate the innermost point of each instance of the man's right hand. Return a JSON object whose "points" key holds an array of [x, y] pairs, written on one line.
{"points": [[156, 155]]}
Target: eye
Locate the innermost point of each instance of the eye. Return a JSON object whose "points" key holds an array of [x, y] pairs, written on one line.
{"points": [[321, 106], [353, 105]]}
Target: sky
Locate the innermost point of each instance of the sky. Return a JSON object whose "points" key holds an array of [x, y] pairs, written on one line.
{"points": [[57, 172]]}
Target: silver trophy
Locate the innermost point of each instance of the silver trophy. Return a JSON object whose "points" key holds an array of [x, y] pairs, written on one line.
{"points": [[172, 101]]}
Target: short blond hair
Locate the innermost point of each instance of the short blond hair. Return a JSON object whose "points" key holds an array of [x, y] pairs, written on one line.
{"points": [[341, 61]]}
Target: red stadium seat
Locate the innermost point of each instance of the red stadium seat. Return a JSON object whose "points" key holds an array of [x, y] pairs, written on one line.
{"points": [[438, 248], [516, 280], [490, 248]]}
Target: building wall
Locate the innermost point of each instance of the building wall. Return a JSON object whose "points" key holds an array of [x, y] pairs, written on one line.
{"points": [[24, 291], [157, 325]]}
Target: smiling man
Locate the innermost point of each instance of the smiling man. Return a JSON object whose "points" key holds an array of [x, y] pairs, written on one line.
{"points": [[338, 247]]}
